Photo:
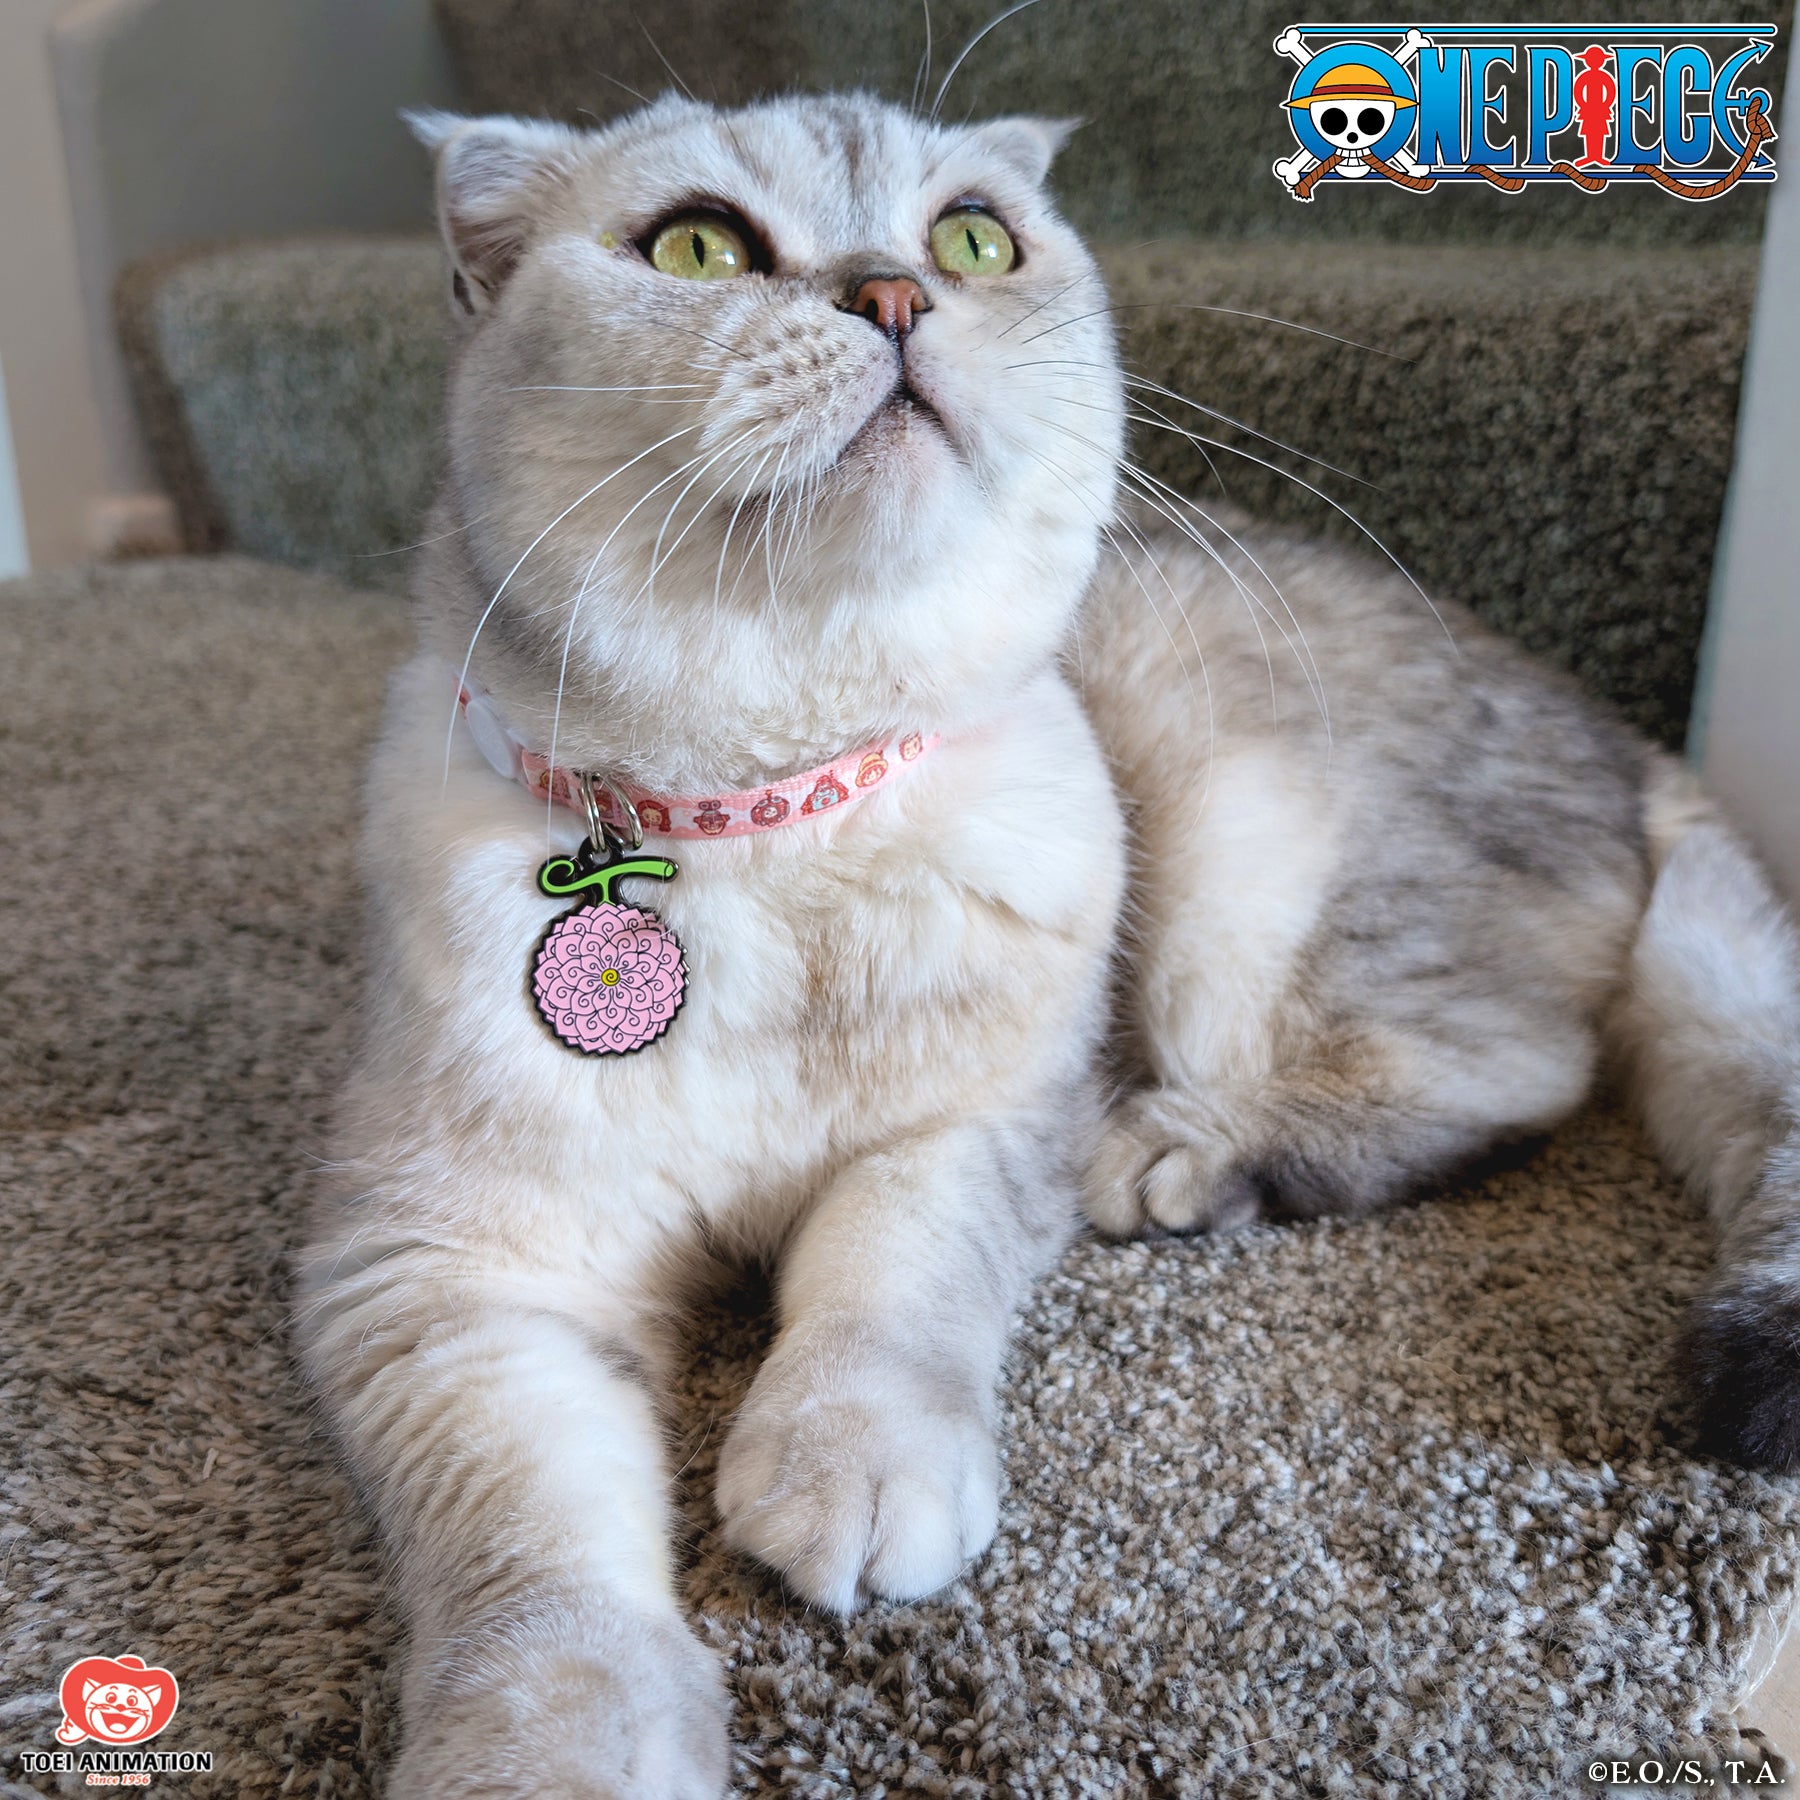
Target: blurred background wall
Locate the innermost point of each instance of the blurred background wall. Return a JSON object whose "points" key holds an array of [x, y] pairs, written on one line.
{"points": [[58, 443]]}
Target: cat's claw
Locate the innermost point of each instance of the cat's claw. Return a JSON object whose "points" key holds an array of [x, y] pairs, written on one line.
{"points": [[857, 1481]]}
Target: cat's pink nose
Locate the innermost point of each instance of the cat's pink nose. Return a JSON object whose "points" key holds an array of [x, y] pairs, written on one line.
{"points": [[890, 303]]}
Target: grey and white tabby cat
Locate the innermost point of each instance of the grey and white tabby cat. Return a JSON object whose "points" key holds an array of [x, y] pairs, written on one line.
{"points": [[750, 465]]}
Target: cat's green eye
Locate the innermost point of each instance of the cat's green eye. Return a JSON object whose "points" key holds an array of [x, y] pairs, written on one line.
{"points": [[968, 241], [700, 247]]}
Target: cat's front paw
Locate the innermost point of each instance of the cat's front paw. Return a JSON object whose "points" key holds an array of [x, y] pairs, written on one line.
{"points": [[1156, 1169], [855, 1479], [633, 1709]]}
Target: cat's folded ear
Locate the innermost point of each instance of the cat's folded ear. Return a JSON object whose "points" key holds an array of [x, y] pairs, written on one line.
{"points": [[1024, 144], [492, 175]]}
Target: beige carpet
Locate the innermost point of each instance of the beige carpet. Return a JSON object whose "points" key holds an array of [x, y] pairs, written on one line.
{"points": [[1394, 1508]]}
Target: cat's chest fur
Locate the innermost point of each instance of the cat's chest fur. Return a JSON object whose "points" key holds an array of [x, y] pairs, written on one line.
{"points": [[850, 980]]}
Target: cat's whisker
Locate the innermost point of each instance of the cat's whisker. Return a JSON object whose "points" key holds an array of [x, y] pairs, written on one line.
{"points": [[789, 530], [1095, 406], [488, 610], [801, 506], [624, 87], [768, 524], [731, 526], [1105, 523], [922, 75], [1337, 507], [1061, 399], [1230, 312], [656, 557], [1253, 604], [674, 74], [767, 498], [562, 672], [794, 500], [1139, 539], [781, 512], [1152, 416], [1316, 679], [648, 591], [690, 331], [420, 543], [1156, 387], [561, 387], [1034, 311], [562, 679], [937, 105], [1212, 412]]}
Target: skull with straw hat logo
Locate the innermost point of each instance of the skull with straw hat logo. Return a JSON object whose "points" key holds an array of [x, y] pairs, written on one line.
{"points": [[1351, 109]]}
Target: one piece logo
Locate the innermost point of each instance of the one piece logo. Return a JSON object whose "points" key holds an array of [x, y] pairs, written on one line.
{"points": [[115, 1701], [1414, 107]]}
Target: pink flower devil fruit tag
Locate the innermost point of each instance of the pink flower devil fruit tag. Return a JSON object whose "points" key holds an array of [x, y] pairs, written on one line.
{"points": [[607, 978]]}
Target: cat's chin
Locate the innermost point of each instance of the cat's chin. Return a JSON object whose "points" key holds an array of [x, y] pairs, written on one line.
{"points": [[905, 429], [901, 460]]}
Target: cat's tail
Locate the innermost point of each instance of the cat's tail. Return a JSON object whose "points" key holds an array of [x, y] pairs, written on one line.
{"points": [[1709, 1030]]}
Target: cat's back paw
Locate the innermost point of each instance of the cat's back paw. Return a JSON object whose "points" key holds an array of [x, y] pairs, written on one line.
{"points": [[1154, 1170]]}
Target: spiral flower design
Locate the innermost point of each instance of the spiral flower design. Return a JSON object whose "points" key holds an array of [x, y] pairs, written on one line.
{"points": [[608, 978]]}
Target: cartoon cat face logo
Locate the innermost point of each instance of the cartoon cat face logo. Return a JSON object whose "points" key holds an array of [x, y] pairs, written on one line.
{"points": [[115, 1702]]}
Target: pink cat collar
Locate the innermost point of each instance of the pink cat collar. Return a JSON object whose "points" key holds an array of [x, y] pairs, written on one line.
{"points": [[743, 814]]}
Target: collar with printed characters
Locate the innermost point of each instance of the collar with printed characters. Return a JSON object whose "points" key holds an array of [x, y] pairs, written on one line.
{"points": [[743, 814]]}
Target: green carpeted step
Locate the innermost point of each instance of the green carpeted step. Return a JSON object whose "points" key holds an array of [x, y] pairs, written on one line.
{"points": [[292, 394], [1545, 434]]}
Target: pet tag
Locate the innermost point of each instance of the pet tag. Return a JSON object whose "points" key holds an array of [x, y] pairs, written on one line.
{"points": [[607, 978]]}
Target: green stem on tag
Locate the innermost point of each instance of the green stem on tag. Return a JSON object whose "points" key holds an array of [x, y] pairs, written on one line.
{"points": [[566, 875]]}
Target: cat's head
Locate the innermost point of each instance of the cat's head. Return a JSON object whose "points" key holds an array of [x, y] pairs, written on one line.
{"points": [[806, 412]]}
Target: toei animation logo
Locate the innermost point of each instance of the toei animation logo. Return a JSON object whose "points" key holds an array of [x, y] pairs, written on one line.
{"points": [[115, 1702], [1589, 106], [113, 1706]]}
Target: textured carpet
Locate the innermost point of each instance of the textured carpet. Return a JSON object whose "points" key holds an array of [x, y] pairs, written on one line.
{"points": [[1393, 1508]]}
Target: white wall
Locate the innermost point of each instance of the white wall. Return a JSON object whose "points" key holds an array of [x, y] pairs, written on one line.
{"points": [[14, 559], [191, 118], [1746, 734], [56, 432], [195, 119]]}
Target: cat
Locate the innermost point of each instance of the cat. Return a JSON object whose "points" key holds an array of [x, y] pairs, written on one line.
{"points": [[1040, 846]]}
